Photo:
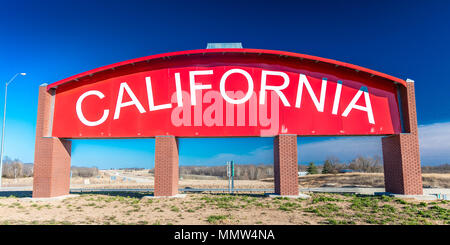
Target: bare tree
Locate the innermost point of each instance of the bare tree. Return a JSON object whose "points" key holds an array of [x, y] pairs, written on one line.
{"points": [[27, 170], [84, 172], [443, 168], [333, 160], [12, 168], [17, 168], [367, 164], [241, 172]]}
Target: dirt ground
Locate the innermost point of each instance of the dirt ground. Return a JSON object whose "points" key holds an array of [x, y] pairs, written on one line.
{"points": [[244, 209]]}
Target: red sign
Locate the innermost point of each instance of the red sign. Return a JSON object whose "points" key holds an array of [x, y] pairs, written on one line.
{"points": [[215, 94]]}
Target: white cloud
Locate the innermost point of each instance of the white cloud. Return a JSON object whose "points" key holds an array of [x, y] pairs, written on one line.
{"points": [[434, 143], [345, 148]]}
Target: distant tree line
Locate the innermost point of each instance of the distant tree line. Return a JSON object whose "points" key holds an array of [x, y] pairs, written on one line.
{"points": [[332, 165], [443, 168], [84, 172], [253, 172], [16, 168], [241, 171]]}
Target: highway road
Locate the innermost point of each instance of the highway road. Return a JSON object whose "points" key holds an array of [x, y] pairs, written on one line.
{"points": [[354, 190], [137, 179]]}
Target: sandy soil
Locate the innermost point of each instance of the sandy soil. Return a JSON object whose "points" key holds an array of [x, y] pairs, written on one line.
{"points": [[118, 208], [135, 208]]}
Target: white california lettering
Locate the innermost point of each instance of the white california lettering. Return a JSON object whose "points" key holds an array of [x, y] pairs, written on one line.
{"points": [[151, 102], [277, 89], [195, 86], [240, 98], [249, 91], [80, 112], [337, 97], [367, 108], [178, 89], [319, 104], [134, 100]]}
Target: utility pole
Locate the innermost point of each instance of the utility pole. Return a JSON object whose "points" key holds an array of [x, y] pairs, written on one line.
{"points": [[3, 126]]}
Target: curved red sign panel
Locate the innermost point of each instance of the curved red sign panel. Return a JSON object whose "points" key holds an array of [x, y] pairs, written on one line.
{"points": [[226, 94]]}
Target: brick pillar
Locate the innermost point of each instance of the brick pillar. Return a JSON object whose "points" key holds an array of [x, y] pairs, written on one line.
{"points": [[51, 176], [401, 157], [166, 166], [285, 164]]}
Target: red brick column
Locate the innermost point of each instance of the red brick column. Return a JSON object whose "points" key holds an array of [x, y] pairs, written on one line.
{"points": [[401, 157], [285, 164], [166, 166], [51, 176]]}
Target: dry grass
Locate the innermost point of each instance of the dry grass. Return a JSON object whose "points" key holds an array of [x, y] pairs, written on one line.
{"points": [[364, 180], [339, 180], [132, 208], [436, 180]]}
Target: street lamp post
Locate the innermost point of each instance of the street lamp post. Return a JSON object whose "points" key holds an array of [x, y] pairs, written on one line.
{"points": [[3, 125]]}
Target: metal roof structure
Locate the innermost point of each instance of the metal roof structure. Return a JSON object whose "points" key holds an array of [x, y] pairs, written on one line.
{"points": [[225, 51]]}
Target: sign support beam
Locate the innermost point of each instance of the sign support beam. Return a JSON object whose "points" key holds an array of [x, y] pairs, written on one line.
{"points": [[166, 166], [285, 165], [51, 176], [401, 157]]}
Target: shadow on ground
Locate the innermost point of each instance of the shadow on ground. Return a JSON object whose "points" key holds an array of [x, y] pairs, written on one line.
{"points": [[21, 194], [134, 194], [16, 193], [238, 194]]}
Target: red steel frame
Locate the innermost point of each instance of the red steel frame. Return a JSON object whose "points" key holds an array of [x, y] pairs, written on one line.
{"points": [[223, 51]]}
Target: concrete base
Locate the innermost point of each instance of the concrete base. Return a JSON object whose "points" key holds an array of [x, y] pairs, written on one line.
{"points": [[46, 199], [401, 196], [417, 197], [300, 195], [175, 196]]}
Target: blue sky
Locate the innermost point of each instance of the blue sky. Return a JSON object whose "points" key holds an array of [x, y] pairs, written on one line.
{"points": [[52, 40]]}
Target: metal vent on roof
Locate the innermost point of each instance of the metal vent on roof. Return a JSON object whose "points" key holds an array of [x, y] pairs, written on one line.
{"points": [[223, 45]]}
